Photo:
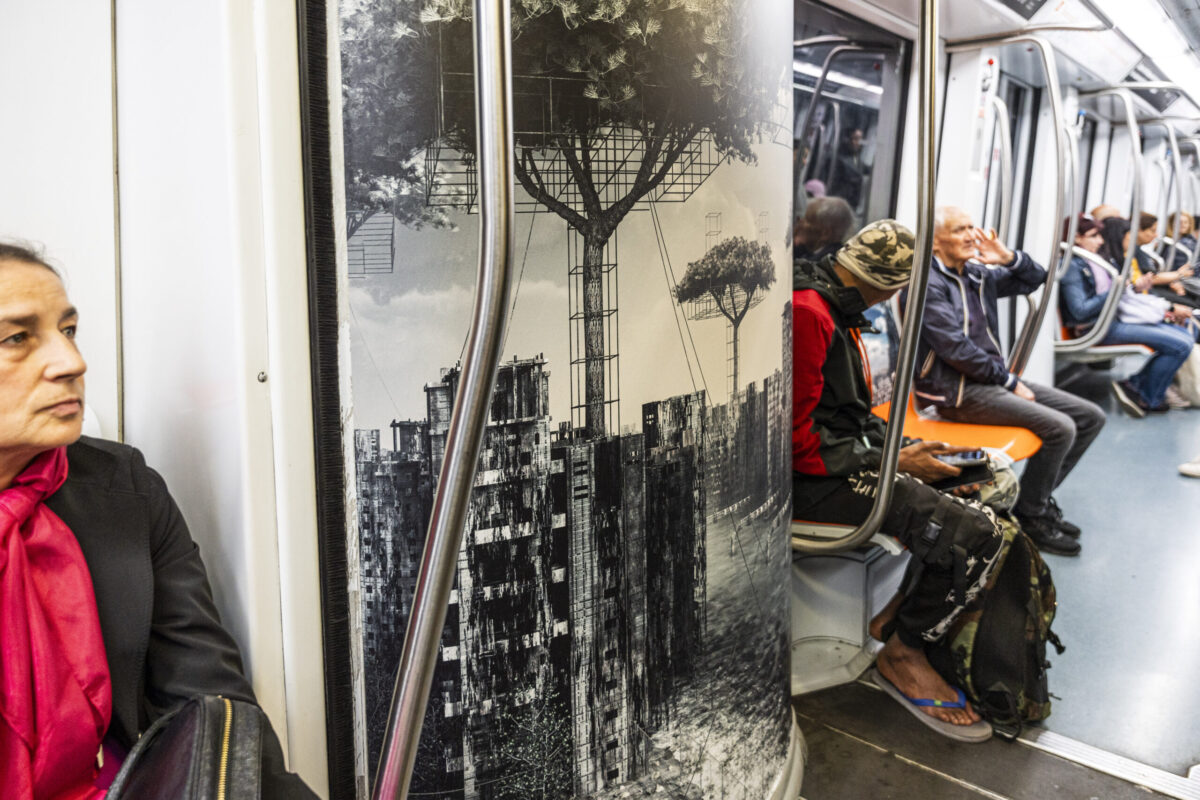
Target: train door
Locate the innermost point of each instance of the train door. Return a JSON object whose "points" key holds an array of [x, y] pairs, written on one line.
{"points": [[848, 79], [854, 76]]}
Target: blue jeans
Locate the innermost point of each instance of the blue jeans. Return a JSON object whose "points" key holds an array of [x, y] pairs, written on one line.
{"points": [[1171, 345]]}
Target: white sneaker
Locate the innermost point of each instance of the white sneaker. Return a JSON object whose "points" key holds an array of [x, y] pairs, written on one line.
{"points": [[1175, 399], [1190, 469]]}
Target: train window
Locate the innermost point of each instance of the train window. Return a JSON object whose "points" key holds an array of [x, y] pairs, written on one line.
{"points": [[847, 140]]}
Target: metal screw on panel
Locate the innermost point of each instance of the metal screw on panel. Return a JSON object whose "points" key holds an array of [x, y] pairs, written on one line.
{"points": [[262, 377]]}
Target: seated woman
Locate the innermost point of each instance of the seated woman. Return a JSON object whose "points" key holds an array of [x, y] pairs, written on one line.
{"points": [[1145, 274], [1082, 291], [107, 614], [1187, 238]]}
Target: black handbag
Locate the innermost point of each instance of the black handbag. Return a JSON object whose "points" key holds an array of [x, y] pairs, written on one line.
{"points": [[209, 748]]}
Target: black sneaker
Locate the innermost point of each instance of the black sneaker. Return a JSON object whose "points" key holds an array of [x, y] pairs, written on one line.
{"points": [[1055, 514], [1047, 536], [1129, 399]]}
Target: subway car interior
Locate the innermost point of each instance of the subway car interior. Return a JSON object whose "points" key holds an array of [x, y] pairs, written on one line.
{"points": [[413, 307]]}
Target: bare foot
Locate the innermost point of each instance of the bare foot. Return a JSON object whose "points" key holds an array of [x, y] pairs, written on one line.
{"points": [[884, 617], [909, 671]]}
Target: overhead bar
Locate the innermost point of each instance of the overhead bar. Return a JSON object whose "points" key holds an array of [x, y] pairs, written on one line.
{"points": [[975, 42], [922, 260], [492, 25]]}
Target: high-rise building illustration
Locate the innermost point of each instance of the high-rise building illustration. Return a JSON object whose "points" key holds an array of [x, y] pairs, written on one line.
{"points": [[580, 595]]}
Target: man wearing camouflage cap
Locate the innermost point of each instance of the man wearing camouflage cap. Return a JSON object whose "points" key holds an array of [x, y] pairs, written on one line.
{"points": [[837, 445]]}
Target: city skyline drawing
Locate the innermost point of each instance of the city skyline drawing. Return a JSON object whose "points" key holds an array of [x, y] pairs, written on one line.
{"points": [[618, 623]]}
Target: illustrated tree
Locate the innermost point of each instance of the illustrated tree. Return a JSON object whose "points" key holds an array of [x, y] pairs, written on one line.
{"points": [[734, 274], [534, 751], [613, 99]]}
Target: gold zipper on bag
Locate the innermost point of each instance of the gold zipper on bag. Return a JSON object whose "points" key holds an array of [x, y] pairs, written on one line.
{"points": [[224, 767]]}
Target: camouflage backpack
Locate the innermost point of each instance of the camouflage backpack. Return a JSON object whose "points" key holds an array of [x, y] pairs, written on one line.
{"points": [[997, 651]]}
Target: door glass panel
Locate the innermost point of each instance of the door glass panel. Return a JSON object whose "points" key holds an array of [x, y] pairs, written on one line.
{"points": [[850, 148]]}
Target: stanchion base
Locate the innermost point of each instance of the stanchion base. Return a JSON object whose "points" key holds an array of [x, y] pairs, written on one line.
{"points": [[787, 785]]}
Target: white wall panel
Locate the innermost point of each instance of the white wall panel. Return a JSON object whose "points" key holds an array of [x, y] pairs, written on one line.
{"points": [[215, 328], [56, 166]]}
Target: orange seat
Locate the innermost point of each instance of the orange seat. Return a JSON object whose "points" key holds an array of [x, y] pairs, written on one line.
{"points": [[1018, 443]]}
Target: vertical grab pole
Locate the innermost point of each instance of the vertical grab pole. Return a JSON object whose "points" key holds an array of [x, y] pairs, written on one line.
{"points": [[1177, 167], [1109, 311], [1023, 349], [922, 258], [494, 144], [1000, 109]]}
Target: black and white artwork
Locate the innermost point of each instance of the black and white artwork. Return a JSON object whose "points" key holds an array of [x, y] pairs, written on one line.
{"points": [[618, 627]]}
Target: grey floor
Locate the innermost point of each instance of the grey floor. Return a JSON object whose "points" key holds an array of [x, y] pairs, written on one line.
{"points": [[1129, 605], [1129, 613], [863, 747]]}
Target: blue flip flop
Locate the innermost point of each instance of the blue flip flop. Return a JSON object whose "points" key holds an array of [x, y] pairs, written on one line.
{"points": [[976, 732]]}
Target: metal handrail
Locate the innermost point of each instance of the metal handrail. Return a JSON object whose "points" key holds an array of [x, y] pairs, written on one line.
{"points": [[1000, 109], [975, 42], [1023, 348], [835, 141], [1194, 184], [1109, 311], [492, 26], [922, 260], [1177, 166]]}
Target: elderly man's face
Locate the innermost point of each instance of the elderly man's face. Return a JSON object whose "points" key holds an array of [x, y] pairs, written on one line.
{"points": [[954, 241], [41, 370]]}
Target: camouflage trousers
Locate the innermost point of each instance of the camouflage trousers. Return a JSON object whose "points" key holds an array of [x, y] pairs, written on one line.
{"points": [[955, 543]]}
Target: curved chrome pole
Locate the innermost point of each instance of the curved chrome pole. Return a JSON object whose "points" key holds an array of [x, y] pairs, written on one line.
{"points": [[922, 259], [1109, 311], [1023, 348], [835, 141], [1177, 167], [1004, 129], [493, 115]]}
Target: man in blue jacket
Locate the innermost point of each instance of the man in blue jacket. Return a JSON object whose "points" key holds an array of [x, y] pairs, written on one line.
{"points": [[962, 372]]}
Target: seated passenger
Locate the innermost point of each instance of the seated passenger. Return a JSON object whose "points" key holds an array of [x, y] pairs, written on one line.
{"points": [[1082, 292], [1144, 272], [820, 232], [1187, 238], [963, 374], [1103, 212], [836, 453], [108, 621]]}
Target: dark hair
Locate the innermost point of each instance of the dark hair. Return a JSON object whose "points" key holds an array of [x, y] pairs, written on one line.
{"points": [[11, 251], [1146, 220], [1114, 230], [1086, 225], [827, 221]]}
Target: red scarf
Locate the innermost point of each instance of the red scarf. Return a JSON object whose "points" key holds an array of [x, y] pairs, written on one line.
{"points": [[55, 692]]}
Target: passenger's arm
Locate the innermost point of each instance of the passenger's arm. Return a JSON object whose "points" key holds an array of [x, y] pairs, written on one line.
{"points": [[817, 450], [1080, 301], [1022, 276], [189, 652], [942, 331]]}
